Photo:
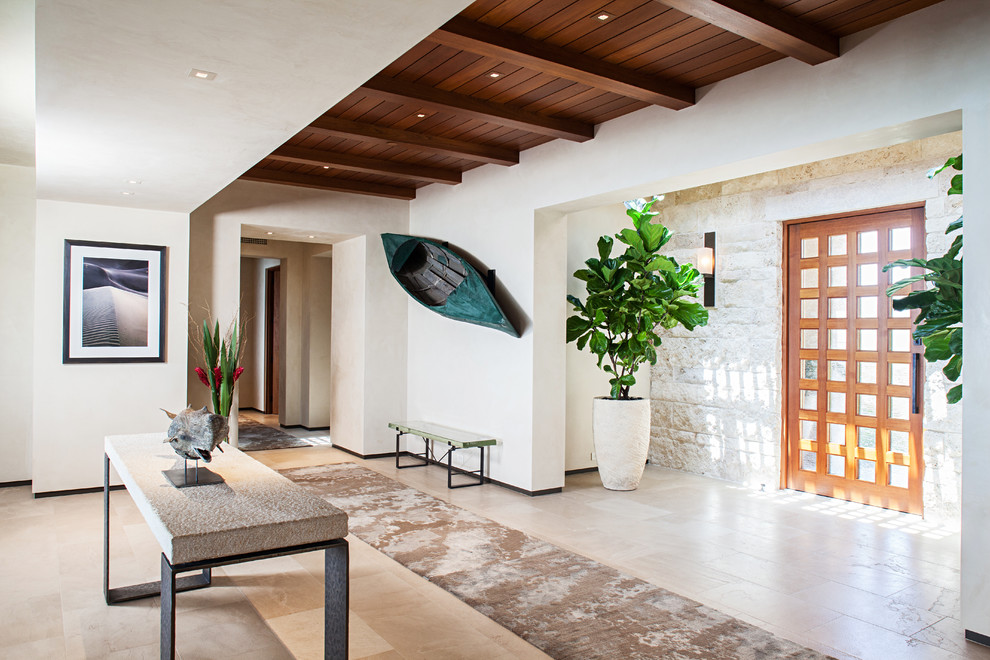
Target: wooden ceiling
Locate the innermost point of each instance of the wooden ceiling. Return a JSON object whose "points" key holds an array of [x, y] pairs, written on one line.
{"points": [[508, 75]]}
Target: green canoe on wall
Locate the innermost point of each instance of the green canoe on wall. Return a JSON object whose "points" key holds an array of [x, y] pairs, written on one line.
{"points": [[440, 280]]}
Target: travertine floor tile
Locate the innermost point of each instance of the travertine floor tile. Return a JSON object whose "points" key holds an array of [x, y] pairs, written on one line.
{"points": [[844, 579]]}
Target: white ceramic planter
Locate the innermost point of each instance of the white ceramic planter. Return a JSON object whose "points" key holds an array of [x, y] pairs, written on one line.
{"points": [[622, 440]]}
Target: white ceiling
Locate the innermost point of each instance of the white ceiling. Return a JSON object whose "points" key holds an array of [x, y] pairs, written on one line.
{"points": [[115, 101]]}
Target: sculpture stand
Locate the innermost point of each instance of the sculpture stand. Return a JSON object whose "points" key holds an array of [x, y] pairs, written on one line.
{"points": [[184, 478]]}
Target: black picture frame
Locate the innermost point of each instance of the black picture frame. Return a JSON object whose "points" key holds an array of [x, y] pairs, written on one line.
{"points": [[113, 302]]}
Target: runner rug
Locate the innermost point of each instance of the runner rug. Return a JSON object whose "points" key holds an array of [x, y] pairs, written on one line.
{"points": [[564, 604], [255, 436]]}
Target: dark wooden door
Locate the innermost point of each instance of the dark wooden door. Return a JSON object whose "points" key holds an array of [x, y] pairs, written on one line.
{"points": [[854, 373], [273, 277]]}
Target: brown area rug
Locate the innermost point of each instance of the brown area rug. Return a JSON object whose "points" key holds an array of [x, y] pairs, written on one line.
{"points": [[564, 604], [255, 436]]}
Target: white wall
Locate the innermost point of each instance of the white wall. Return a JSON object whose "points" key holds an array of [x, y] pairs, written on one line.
{"points": [[316, 340], [76, 405], [976, 413], [17, 211], [879, 92], [369, 298]]}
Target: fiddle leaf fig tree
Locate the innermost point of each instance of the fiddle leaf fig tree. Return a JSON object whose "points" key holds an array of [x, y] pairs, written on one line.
{"points": [[631, 296], [939, 321]]}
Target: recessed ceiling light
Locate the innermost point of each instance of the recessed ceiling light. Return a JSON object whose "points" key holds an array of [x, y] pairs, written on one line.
{"points": [[134, 182], [202, 75], [312, 236], [494, 74], [326, 167], [270, 233], [420, 114], [603, 16], [126, 192]]}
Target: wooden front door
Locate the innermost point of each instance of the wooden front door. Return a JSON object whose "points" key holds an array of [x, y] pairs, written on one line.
{"points": [[854, 373]]}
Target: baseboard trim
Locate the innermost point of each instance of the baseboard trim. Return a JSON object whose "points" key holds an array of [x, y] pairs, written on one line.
{"points": [[531, 493], [568, 473], [978, 638], [308, 428], [286, 426], [390, 454], [75, 491], [15, 484]]}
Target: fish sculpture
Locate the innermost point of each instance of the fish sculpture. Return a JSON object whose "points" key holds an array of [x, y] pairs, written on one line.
{"points": [[194, 434]]}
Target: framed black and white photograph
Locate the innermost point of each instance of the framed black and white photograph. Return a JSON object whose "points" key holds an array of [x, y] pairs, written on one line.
{"points": [[113, 302]]}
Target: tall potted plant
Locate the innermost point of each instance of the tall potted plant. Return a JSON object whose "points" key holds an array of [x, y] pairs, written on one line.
{"points": [[630, 297]]}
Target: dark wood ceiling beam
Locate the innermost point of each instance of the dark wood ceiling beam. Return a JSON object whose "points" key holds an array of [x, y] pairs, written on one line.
{"points": [[374, 133], [328, 183], [516, 49], [306, 156], [438, 100], [764, 24]]}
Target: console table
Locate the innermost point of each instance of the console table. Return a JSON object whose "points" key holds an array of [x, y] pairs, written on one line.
{"points": [[255, 514]]}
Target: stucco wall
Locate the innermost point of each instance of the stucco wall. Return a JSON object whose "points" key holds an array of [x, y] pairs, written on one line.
{"points": [[17, 211], [76, 405], [717, 391]]}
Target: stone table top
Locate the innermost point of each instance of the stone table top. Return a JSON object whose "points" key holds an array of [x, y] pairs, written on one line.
{"points": [[256, 509]]}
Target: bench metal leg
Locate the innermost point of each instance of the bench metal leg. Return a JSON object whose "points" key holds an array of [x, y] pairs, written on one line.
{"points": [[335, 602], [424, 457], [479, 473]]}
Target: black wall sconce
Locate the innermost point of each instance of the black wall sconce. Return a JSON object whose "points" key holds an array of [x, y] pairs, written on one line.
{"points": [[706, 266]]}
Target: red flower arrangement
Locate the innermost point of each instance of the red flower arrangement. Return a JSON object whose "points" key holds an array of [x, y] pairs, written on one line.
{"points": [[221, 366]]}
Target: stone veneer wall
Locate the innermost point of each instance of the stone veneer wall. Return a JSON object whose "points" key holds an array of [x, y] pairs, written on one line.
{"points": [[717, 391]]}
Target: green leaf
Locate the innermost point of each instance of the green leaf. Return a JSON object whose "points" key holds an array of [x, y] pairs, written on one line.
{"points": [[599, 343], [577, 326], [956, 340], [956, 163], [690, 314], [953, 368], [631, 238], [956, 185], [605, 247], [662, 263], [954, 395], [937, 347]]}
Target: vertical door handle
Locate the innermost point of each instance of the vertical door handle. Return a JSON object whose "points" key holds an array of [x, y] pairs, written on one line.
{"points": [[915, 387]]}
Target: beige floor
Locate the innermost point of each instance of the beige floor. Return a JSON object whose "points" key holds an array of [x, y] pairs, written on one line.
{"points": [[853, 581]]}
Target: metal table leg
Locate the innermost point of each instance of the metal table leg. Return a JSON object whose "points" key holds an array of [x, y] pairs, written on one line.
{"points": [[146, 589], [335, 602], [166, 642]]}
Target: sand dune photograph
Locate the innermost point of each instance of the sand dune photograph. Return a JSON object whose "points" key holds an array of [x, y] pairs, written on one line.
{"points": [[114, 302]]}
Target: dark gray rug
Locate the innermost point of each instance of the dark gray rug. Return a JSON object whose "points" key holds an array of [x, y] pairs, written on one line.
{"points": [[564, 604], [255, 436]]}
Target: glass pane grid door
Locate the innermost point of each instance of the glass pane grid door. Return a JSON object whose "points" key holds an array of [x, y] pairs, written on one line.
{"points": [[854, 414]]}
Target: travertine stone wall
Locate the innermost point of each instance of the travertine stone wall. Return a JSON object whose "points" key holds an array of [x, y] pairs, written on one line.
{"points": [[717, 391]]}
